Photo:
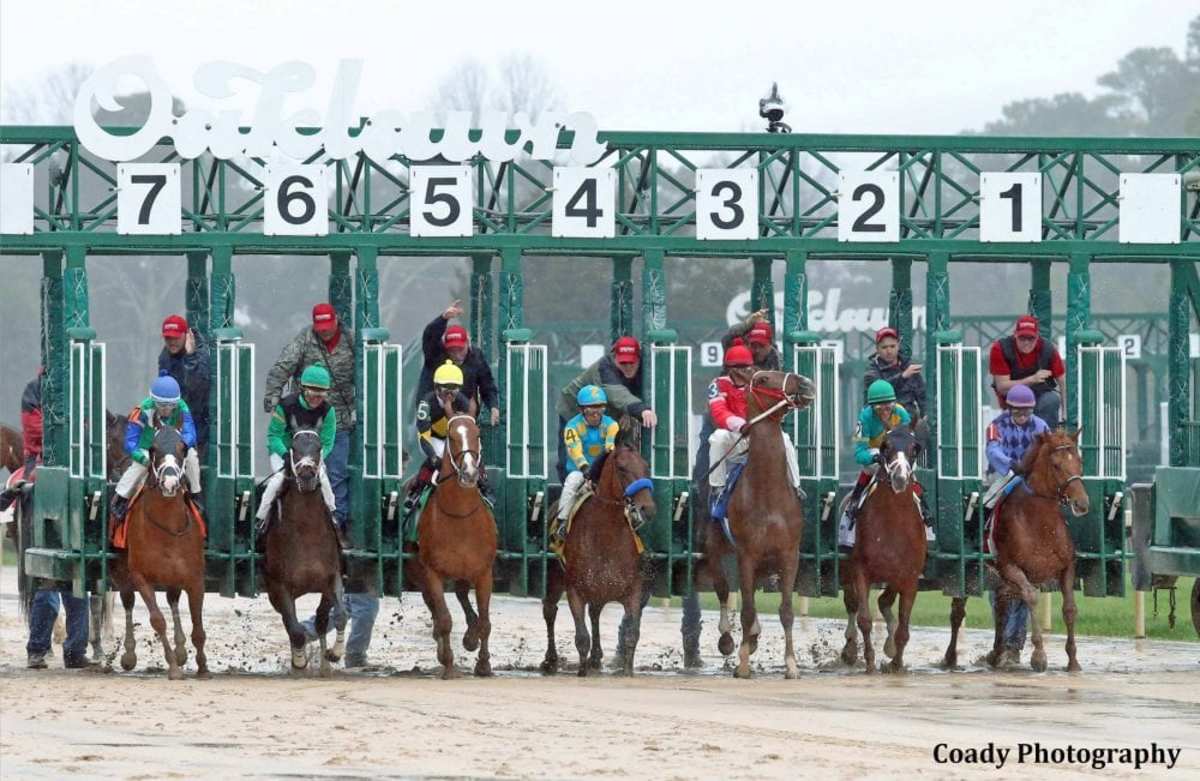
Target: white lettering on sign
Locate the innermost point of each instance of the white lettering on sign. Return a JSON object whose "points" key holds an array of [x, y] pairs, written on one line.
{"points": [[825, 313], [1131, 345], [272, 132]]}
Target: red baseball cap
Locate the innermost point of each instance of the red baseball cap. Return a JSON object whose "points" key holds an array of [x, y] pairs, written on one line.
{"points": [[455, 336], [760, 333], [1027, 325], [885, 332], [324, 318], [174, 327], [627, 350]]}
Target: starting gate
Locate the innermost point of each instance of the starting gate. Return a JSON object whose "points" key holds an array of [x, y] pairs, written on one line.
{"points": [[523, 502], [816, 434], [230, 493], [669, 535]]}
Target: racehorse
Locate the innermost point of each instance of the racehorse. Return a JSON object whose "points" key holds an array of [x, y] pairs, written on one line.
{"points": [[302, 553], [1032, 543], [164, 547], [889, 548], [765, 517], [456, 540], [601, 558], [12, 449]]}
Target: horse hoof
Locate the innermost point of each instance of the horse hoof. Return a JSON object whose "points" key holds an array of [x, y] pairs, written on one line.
{"points": [[753, 643], [850, 655], [889, 648], [181, 656], [450, 674], [725, 644], [470, 641], [326, 669], [742, 671], [299, 661], [993, 659], [583, 671], [1038, 663], [791, 673], [203, 675], [871, 668], [949, 662], [1073, 667], [483, 669], [692, 661], [896, 668], [174, 674], [332, 657], [595, 663], [550, 666], [128, 661]]}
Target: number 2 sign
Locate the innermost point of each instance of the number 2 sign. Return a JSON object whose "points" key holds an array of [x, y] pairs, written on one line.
{"points": [[869, 206], [149, 199]]}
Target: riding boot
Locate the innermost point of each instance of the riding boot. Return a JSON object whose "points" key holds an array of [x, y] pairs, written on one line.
{"points": [[485, 487], [926, 516], [119, 508], [7, 497]]}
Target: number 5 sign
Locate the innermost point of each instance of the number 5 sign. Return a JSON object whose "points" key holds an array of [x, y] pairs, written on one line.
{"points": [[149, 199], [869, 206], [296, 201], [440, 201]]}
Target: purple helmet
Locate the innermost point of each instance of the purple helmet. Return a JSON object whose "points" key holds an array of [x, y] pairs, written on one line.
{"points": [[1020, 396]]}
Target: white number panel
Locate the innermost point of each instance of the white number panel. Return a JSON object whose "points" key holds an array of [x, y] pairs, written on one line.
{"points": [[296, 200], [869, 206], [1010, 206], [440, 199], [584, 202], [16, 198], [711, 354], [726, 203], [1149, 209], [149, 199]]}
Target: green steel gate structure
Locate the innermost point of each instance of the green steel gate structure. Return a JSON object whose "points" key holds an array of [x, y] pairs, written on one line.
{"points": [[796, 196]]}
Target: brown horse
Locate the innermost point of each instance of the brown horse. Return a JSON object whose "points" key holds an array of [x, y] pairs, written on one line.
{"points": [[889, 548], [12, 449], [1033, 544], [302, 553], [456, 540], [765, 517], [601, 560], [164, 548]]}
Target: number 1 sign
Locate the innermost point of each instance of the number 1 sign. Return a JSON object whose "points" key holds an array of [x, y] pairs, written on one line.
{"points": [[1010, 206]]}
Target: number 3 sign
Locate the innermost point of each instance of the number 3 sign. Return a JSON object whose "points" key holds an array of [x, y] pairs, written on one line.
{"points": [[869, 206], [296, 201]]}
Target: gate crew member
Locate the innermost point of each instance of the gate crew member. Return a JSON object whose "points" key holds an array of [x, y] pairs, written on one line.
{"points": [[433, 419], [163, 407], [620, 375], [441, 342], [902, 373], [308, 410], [587, 437], [1026, 359], [1009, 437], [185, 357]]}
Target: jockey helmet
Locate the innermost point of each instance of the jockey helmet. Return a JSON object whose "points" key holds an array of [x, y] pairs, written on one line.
{"points": [[738, 355], [1020, 396], [448, 374], [880, 392], [315, 377], [165, 390], [591, 396]]}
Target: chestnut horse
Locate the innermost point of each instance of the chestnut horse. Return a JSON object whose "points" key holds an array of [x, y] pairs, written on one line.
{"points": [[765, 517], [456, 540], [302, 553], [601, 559], [1032, 543], [890, 549], [164, 547], [12, 449]]}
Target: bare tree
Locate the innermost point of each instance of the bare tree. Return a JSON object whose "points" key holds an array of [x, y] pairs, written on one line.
{"points": [[50, 100], [465, 88], [526, 85]]}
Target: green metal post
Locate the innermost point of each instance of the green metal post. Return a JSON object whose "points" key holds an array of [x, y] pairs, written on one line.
{"points": [[75, 288], [512, 290], [654, 293], [1079, 318], [196, 294], [762, 291], [483, 334], [795, 303], [1040, 301], [900, 304], [1185, 294], [54, 361], [221, 297], [621, 313], [341, 291]]}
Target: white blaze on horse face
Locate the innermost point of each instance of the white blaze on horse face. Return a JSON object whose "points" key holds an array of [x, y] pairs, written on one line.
{"points": [[900, 471], [170, 481]]}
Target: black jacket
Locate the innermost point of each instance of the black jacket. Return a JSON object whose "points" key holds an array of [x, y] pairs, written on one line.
{"points": [[739, 331], [910, 391], [192, 374], [478, 382]]}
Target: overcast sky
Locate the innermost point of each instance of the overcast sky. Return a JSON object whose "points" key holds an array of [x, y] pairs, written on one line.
{"points": [[844, 67]]}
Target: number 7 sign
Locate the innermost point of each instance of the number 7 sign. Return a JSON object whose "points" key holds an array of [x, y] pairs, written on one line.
{"points": [[149, 199]]}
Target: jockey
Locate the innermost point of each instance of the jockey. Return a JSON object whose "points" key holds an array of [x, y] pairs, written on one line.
{"points": [[162, 407], [728, 408], [434, 411], [308, 410], [588, 436]]}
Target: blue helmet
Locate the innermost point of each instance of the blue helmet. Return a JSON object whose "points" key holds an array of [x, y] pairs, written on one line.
{"points": [[591, 396], [165, 390]]}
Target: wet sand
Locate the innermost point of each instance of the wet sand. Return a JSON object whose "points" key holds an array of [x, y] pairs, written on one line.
{"points": [[397, 719]]}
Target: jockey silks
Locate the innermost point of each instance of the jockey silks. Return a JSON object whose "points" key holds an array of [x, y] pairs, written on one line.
{"points": [[585, 444], [1008, 442]]}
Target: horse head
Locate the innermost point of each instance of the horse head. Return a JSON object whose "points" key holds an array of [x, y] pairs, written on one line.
{"points": [[304, 459], [1053, 467], [900, 450], [463, 449], [775, 393], [626, 478], [114, 433], [166, 460]]}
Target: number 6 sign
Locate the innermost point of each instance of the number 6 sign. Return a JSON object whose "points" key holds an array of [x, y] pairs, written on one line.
{"points": [[149, 199], [869, 206], [296, 201]]}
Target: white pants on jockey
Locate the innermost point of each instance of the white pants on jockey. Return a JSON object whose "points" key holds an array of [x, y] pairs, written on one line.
{"points": [[275, 482], [135, 475], [999, 482], [570, 490], [720, 442]]}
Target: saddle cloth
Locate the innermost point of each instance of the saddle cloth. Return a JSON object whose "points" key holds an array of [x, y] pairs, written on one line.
{"points": [[119, 530], [989, 523], [718, 509], [585, 493]]}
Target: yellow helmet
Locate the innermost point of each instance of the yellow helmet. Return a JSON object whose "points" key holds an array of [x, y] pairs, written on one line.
{"points": [[448, 374]]}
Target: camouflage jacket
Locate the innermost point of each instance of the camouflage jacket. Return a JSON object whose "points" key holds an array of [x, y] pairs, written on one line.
{"points": [[307, 349]]}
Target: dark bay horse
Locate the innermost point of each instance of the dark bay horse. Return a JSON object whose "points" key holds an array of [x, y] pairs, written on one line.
{"points": [[302, 553], [889, 548], [602, 563], [1033, 545], [456, 540], [164, 548], [765, 517]]}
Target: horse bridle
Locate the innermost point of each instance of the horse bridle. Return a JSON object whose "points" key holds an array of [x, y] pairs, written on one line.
{"points": [[633, 513], [159, 472], [1064, 485], [782, 397], [304, 460], [455, 463]]}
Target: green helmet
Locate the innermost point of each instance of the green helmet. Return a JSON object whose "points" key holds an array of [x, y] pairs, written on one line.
{"points": [[315, 377], [880, 392]]}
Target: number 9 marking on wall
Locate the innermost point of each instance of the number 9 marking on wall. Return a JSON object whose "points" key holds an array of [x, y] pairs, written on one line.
{"points": [[584, 203], [296, 200], [149, 199], [1010, 206], [440, 201], [726, 203], [869, 206]]}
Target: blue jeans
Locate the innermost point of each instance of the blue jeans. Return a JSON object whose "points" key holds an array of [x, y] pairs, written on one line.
{"points": [[361, 609], [1015, 622], [337, 465], [41, 622]]}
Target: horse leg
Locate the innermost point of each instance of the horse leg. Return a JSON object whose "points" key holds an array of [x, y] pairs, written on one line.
{"points": [[750, 626], [958, 611], [582, 641], [340, 619], [887, 598], [129, 658], [633, 629], [1028, 593], [862, 596], [321, 624], [899, 636], [725, 625], [181, 652], [996, 655], [462, 590], [597, 652], [1066, 584], [158, 622], [850, 649], [285, 605], [435, 598], [787, 582], [554, 590], [483, 598], [96, 624], [195, 595]]}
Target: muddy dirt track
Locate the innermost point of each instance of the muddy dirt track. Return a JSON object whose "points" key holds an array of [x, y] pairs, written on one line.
{"points": [[396, 719]]}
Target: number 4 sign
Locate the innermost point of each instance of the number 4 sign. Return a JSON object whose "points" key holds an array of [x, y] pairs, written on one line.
{"points": [[149, 199], [584, 203]]}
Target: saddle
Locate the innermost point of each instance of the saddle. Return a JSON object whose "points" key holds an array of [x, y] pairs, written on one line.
{"points": [[585, 493], [118, 530], [989, 520], [718, 509]]}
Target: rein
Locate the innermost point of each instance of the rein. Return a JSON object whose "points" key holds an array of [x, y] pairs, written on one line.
{"points": [[784, 400], [187, 515], [1061, 498]]}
